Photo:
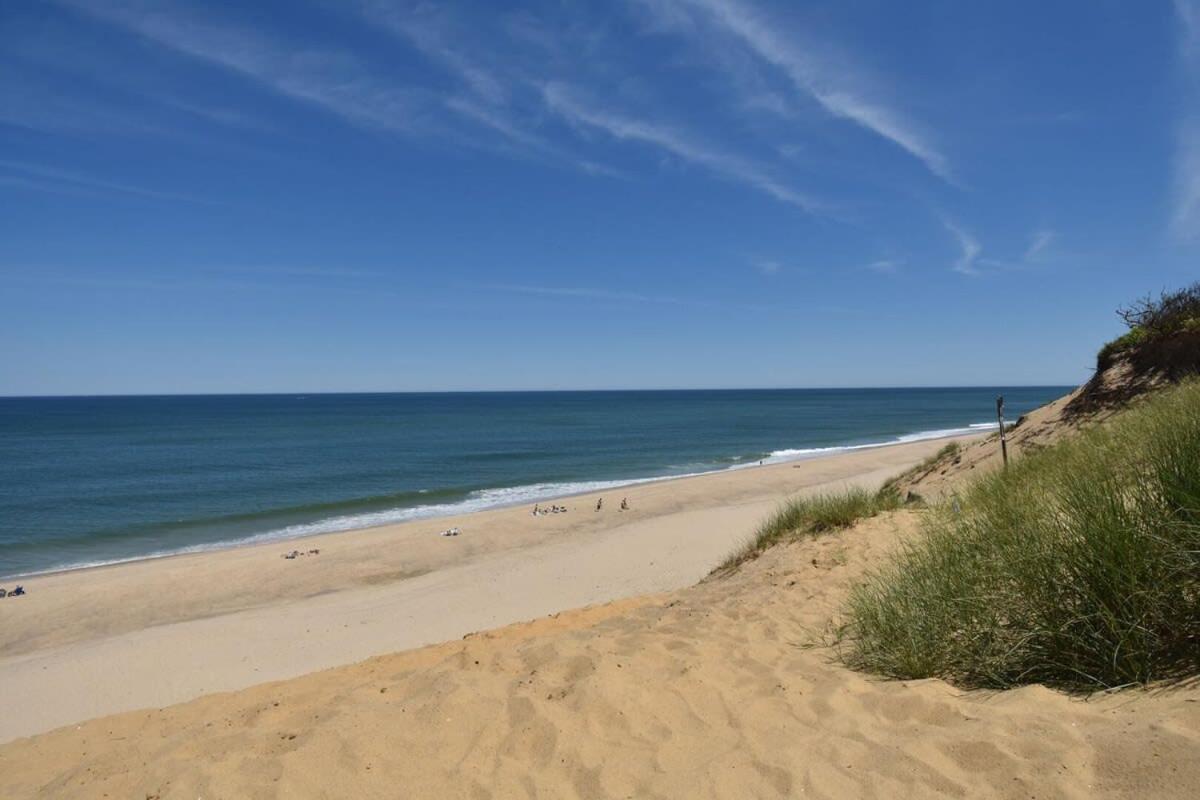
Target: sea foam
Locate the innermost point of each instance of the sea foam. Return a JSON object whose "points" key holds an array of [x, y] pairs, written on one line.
{"points": [[485, 499], [795, 454]]}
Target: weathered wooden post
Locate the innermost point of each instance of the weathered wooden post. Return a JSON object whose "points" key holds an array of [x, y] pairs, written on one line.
{"points": [[1003, 433]]}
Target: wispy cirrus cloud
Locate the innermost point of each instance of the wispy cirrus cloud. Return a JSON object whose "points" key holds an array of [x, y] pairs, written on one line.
{"points": [[39, 107], [331, 80], [500, 99], [1040, 250], [679, 144], [583, 292], [295, 271], [1188, 12], [885, 266], [835, 88], [612, 296], [768, 266], [487, 90], [55, 179], [1038, 243], [424, 27], [969, 249], [1185, 215]]}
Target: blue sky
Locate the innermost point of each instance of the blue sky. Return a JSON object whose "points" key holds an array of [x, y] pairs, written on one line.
{"points": [[362, 195]]}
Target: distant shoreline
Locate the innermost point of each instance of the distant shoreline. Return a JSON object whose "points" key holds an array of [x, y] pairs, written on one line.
{"points": [[300, 532], [1065, 387], [133, 628]]}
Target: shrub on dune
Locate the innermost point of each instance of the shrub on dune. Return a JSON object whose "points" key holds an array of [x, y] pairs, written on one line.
{"points": [[1079, 566]]}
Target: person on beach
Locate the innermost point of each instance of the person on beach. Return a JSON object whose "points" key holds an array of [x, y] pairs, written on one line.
{"points": [[535, 509], [599, 503], [624, 503]]}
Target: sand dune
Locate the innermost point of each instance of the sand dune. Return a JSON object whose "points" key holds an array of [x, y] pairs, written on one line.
{"points": [[726, 689]]}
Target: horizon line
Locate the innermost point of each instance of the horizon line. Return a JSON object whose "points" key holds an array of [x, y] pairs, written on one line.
{"points": [[333, 393]]}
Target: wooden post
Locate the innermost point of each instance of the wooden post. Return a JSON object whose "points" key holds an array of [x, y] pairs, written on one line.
{"points": [[1003, 433]]}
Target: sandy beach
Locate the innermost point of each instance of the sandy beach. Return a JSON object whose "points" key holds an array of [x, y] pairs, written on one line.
{"points": [[147, 634], [724, 689]]}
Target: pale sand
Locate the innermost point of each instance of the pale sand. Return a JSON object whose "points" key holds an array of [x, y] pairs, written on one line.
{"points": [[724, 690], [149, 634]]}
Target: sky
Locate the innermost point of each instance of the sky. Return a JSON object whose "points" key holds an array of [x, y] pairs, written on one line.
{"points": [[368, 195]]}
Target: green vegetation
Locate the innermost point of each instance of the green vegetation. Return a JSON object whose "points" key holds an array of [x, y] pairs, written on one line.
{"points": [[1154, 319], [1078, 566], [1126, 341], [946, 453], [808, 516]]}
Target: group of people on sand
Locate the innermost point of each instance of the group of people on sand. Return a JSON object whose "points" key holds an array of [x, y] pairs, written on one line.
{"points": [[539, 510], [17, 592], [298, 553], [451, 532]]}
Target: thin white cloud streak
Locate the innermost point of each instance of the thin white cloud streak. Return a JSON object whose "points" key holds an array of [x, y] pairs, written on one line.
{"points": [[336, 82], [726, 165], [820, 82], [969, 248], [331, 81], [488, 117], [296, 271], [487, 93], [221, 116], [203, 280], [1189, 15], [36, 106], [1038, 244], [1185, 218], [416, 27], [884, 266], [1185, 215], [579, 292], [19, 182], [1037, 253], [608, 295], [55, 179]]}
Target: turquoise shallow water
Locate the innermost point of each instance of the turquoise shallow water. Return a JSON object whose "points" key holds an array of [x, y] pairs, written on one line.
{"points": [[96, 480]]}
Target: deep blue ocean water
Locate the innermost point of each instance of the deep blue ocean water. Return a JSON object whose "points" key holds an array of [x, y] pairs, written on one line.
{"points": [[87, 480]]}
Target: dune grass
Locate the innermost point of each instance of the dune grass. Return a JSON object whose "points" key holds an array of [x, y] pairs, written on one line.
{"points": [[946, 453], [809, 516], [1078, 566]]}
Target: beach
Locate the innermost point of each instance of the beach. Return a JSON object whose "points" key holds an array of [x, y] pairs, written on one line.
{"points": [[729, 688], [656, 400], [147, 634]]}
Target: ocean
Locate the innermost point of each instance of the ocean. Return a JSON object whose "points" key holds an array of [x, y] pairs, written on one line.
{"points": [[96, 480]]}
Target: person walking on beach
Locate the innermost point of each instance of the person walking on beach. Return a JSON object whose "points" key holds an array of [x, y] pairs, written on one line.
{"points": [[624, 503], [599, 503]]}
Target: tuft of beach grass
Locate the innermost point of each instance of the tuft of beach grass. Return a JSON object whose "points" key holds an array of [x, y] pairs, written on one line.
{"points": [[809, 516], [1077, 567]]}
